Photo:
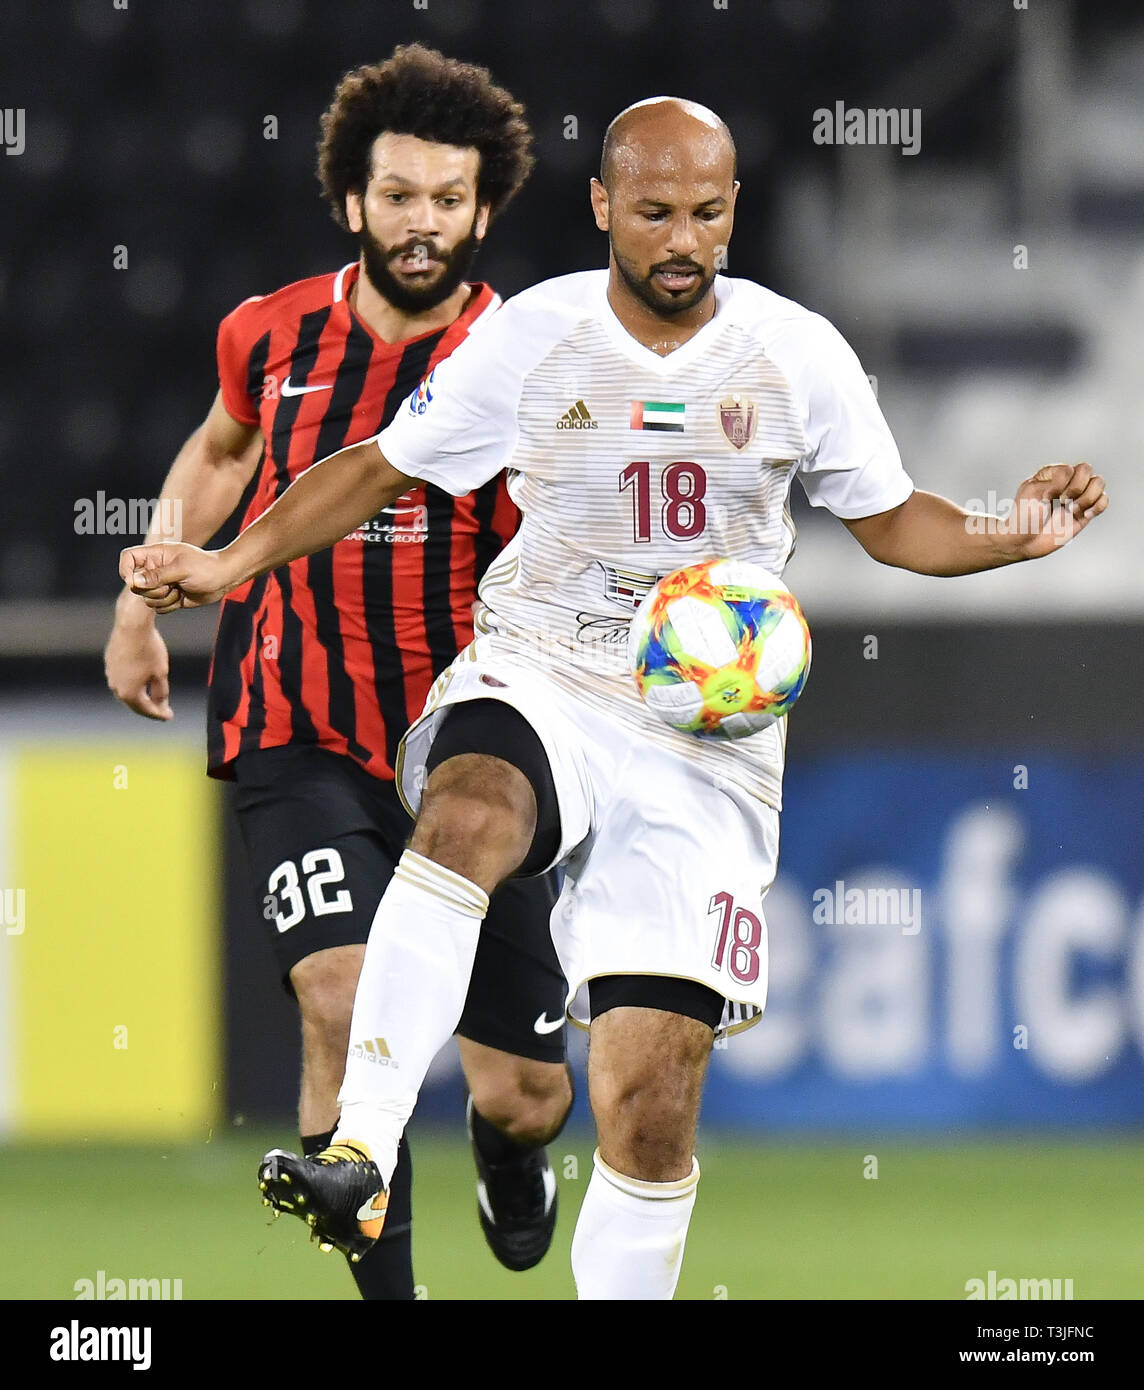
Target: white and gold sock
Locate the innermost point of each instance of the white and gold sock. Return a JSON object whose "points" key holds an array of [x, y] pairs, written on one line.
{"points": [[410, 996], [630, 1234]]}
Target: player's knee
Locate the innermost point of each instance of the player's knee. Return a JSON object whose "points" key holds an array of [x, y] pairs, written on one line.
{"points": [[325, 993], [528, 1101], [649, 1150], [647, 1130], [478, 815]]}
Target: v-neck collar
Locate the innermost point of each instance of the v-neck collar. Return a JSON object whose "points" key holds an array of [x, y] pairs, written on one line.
{"points": [[348, 276], [685, 353]]}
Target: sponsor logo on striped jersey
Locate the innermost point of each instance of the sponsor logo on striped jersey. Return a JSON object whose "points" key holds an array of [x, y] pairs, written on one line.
{"points": [[627, 586]]}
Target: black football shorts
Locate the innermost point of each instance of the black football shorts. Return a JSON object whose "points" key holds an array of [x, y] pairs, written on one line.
{"points": [[323, 837]]}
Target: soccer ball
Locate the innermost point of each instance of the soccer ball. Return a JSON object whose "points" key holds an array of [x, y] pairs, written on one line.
{"points": [[720, 649]]}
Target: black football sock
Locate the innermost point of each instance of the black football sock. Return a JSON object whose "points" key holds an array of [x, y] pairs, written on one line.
{"points": [[493, 1145], [314, 1143], [385, 1272]]}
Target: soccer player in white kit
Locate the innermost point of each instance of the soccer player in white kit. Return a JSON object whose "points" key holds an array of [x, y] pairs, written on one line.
{"points": [[651, 416]]}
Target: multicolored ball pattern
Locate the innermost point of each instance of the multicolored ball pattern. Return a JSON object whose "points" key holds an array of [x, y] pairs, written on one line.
{"points": [[720, 649]]}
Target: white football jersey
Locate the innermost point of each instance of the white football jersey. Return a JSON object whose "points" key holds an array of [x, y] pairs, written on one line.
{"points": [[627, 465]]}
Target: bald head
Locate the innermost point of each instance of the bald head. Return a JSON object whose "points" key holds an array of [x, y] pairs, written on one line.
{"points": [[660, 135], [666, 197]]}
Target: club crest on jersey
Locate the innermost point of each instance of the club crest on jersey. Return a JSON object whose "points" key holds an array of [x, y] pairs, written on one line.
{"points": [[737, 418], [419, 400]]}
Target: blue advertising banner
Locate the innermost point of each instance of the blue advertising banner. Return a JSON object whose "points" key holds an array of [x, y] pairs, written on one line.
{"points": [[955, 942]]}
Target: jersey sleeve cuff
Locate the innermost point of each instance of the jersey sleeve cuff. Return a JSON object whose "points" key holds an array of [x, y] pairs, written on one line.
{"points": [[442, 474], [885, 501]]}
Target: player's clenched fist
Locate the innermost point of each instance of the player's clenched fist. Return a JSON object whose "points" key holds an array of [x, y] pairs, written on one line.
{"points": [[1054, 505], [174, 575]]}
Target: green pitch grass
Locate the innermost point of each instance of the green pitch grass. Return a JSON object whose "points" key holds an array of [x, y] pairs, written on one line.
{"points": [[781, 1222]]}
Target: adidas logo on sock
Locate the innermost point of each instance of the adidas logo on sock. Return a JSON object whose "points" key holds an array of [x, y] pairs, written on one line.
{"points": [[373, 1050], [576, 419]]}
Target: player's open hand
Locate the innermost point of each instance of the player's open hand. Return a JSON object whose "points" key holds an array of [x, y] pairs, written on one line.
{"points": [[137, 668], [1053, 506], [173, 575]]}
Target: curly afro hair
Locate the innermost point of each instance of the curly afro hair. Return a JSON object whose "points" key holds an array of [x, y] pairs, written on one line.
{"points": [[420, 92]]}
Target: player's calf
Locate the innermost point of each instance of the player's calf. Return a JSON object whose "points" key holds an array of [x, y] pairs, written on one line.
{"points": [[324, 985], [517, 1105], [645, 1079]]}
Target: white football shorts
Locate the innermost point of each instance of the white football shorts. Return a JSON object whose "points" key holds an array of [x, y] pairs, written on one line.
{"points": [[665, 866]]}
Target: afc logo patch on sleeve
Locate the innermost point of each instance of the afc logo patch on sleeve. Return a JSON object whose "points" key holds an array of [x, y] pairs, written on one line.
{"points": [[419, 400]]}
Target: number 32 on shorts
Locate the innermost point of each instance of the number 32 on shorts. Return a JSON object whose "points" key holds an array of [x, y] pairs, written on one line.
{"points": [[740, 934], [320, 867]]}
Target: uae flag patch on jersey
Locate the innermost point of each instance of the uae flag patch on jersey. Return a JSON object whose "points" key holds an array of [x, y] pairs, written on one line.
{"points": [[657, 415]]}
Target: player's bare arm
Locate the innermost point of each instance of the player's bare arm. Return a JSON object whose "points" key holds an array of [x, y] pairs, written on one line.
{"points": [[320, 507], [931, 535], [206, 481]]}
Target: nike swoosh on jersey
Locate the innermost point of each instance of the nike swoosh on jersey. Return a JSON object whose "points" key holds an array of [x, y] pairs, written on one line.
{"points": [[288, 390], [543, 1025]]}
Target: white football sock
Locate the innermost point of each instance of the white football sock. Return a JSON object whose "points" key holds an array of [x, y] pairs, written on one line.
{"points": [[630, 1234], [410, 996]]}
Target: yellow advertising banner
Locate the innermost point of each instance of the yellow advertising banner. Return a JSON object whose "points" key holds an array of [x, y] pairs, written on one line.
{"points": [[110, 1025]]}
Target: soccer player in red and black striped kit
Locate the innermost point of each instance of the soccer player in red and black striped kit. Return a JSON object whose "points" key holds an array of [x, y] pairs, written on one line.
{"points": [[319, 667]]}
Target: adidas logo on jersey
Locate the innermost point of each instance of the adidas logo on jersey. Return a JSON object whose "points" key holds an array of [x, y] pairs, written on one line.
{"points": [[576, 419]]}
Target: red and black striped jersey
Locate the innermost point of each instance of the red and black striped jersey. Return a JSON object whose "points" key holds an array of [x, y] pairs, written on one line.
{"points": [[339, 649]]}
